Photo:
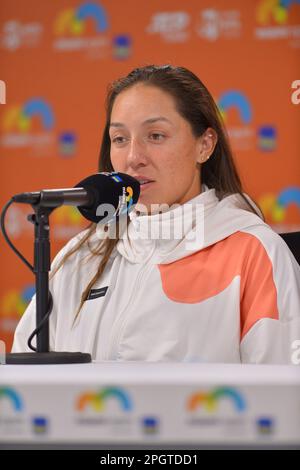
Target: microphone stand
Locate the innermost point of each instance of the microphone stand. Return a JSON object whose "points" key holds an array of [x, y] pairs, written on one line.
{"points": [[44, 302]]}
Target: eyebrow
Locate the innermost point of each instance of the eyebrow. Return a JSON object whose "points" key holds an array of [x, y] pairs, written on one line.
{"points": [[148, 121]]}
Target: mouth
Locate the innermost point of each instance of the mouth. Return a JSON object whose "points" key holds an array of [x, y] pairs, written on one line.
{"points": [[144, 182], [146, 185]]}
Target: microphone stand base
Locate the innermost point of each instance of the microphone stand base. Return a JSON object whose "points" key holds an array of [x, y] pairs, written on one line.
{"points": [[52, 357]]}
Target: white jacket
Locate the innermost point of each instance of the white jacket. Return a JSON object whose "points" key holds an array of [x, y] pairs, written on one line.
{"points": [[232, 297]]}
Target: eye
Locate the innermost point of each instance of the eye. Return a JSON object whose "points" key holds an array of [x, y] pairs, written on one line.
{"points": [[156, 136], [118, 140]]}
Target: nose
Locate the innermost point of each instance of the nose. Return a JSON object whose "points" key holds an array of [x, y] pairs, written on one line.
{"points": [[136, 156]]}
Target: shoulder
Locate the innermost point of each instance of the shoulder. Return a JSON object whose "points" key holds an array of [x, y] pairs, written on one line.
{"points": [[262, 237]]}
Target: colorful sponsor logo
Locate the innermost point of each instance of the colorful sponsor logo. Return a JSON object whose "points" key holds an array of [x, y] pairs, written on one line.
{"points": [[14, 302], [265, 425], [210, 400], [122, 46], [66, 222], [275, 22], [129, 197], [235, 99], [67, 144], [29, 125], [275, 206], [13, 397], [236, 111], [276, 10], [73, 21], [20, 117], [150, 425], [12, 306], [83, 28], [97, 400], [117, 178], [40, 425], [267, 138], [68, 215]]}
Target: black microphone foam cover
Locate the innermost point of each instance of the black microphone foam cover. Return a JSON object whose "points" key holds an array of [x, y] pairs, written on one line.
{"points": [[117, 189]]}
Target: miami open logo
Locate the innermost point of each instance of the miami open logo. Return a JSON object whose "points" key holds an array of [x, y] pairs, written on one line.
{"points": [[274, 10], [66, 222], [220, 411], [277, 19], [82, 28], [97, 401], [12, 306], [236, 111], [30, 124], [210, 401], [10, 400], [237, 114], [276, 207], [12, 419], [106, 408]]}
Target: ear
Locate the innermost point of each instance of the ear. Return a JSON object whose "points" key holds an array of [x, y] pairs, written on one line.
{"points": [[207, 143]]}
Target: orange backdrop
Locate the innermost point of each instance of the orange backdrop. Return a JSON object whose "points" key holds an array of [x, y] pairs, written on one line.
{"points": [[56, 61]]}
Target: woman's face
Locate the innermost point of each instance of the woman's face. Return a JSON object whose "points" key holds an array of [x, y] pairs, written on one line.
{"points": [[151, 141]]}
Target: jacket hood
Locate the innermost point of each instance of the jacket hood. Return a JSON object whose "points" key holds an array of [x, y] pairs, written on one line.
{"points": [[179, 232]]}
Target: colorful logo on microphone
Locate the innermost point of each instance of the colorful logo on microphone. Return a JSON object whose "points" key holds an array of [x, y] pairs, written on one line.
{"points": [[210, 401], [117, 178], [275, 206], [20, 118], [98, 401], [73, 20], [276, 10], [7, 393], [129, 197], [237, 100]]}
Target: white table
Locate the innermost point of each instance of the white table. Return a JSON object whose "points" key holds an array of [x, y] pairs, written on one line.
{"points": [[134, 404]]}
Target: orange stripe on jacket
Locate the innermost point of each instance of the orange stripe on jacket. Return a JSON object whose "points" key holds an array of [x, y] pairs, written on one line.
{"points": [[208, 272]]}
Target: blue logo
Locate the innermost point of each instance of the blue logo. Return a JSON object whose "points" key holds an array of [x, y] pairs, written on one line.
{"points": [[12, 396], [122, 46], [150, 424], [40, 425], [235, 99], [67, 144], [267, 138], [265, 425]]}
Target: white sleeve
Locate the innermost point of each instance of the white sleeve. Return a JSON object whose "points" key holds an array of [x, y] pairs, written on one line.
{"points": [[273, 332]]}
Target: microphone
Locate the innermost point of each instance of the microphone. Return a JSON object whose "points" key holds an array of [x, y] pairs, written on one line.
{"points": [[117, 192]]}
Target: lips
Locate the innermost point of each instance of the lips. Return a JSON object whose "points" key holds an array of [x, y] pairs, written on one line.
{"points": [[143, 180]]}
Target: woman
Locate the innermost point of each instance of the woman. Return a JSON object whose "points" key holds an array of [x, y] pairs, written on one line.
{"points": [[232, 295]]}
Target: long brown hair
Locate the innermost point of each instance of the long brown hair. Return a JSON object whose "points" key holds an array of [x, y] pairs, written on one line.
{"points": [[196, 105]]}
